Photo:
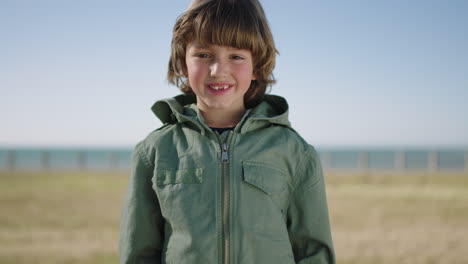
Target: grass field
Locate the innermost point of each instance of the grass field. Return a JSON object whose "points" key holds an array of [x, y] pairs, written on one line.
{"points": [[376, 217]]}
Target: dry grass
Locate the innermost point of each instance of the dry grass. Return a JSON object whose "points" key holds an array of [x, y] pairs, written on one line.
{"points": [[60, 217], [399, 217], [376, 217]]}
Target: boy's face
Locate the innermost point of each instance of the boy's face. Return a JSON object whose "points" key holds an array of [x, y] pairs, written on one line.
{"points": [[219, 76]]}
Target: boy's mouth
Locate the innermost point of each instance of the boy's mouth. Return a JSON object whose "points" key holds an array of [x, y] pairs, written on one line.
{"points": [[219, 87]]}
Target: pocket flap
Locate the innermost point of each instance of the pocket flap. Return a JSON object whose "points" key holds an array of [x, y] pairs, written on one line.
{"points": [[171, 176], [268, 179]]}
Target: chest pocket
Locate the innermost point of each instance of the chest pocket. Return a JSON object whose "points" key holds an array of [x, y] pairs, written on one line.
{"points": [[168, 176], [265, 186], [178, 190], [268, 179]]}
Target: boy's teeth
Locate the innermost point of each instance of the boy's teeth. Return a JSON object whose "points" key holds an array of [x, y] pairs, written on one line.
{"points": [[220, 87]]}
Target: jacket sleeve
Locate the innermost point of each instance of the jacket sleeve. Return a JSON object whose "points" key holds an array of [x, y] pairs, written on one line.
{"points": [[308, 220], [141, 224]]}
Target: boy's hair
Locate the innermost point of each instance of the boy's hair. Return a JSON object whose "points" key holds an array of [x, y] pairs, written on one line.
{"points": [[237, 23]]}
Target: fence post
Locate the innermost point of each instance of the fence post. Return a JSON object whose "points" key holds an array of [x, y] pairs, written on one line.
{"points": [[45, 160], [433, 161], [363, 160], [11, 160], [400, 160], [113, 161], [466, 160], [82, 160], [326, 160]]}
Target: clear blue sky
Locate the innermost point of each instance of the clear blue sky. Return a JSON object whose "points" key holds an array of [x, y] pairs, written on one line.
{"points": [[355, 73]]}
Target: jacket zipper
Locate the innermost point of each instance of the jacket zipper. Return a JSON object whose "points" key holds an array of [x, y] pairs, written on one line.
{"points": [[225, 197]]}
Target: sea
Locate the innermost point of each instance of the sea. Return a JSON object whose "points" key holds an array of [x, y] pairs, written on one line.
{"points": [[119, 159]]}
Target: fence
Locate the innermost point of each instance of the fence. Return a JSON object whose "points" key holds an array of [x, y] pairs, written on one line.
{"points": [[65, 159], [119, 159], [407, 160]]}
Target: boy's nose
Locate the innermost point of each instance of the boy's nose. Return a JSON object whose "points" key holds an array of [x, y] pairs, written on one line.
{"points": [[218, 69]]}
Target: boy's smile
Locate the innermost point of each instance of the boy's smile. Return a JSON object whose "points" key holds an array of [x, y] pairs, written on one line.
{"points": [[219, 76], [219, 87]]}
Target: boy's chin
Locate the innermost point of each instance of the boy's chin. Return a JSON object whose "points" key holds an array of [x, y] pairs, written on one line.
{"points": [[222, 106]]}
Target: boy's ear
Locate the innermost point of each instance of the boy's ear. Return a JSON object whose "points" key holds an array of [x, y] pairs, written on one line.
{"points": [[184, 70], [254, 76]]}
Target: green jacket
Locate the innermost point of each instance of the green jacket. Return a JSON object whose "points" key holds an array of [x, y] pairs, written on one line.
{"points": [[249, 196]]}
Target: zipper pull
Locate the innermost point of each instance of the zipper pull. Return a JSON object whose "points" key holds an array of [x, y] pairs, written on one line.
{"points": [[224, 154]]}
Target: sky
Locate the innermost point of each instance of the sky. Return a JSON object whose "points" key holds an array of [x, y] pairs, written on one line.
{"points": [[363, 73]]}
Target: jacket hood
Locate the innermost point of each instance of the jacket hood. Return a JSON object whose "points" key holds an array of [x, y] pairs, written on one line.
{"points": [[273, 109]]}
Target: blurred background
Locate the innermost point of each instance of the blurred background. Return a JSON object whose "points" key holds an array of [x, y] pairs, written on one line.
{"points": [[378, 87]]}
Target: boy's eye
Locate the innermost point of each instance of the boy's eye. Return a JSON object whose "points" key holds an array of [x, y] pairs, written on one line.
{"points": [[237, 57], [203, 55]]}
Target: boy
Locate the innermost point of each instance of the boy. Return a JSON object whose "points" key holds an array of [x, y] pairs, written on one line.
{"points": [[225, 179]]}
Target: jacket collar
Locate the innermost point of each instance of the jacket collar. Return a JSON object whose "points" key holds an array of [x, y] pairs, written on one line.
{"points": [[180, 109]]}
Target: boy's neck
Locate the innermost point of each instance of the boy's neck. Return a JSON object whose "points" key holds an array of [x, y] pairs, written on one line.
{"points": [[221, 118]]}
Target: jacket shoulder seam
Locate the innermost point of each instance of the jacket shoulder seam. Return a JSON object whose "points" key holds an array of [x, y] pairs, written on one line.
{"points": [[301, 167], [143, 156]]}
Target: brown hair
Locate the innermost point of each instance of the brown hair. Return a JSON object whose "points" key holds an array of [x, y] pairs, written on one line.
{"points": [[237, 23]]}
